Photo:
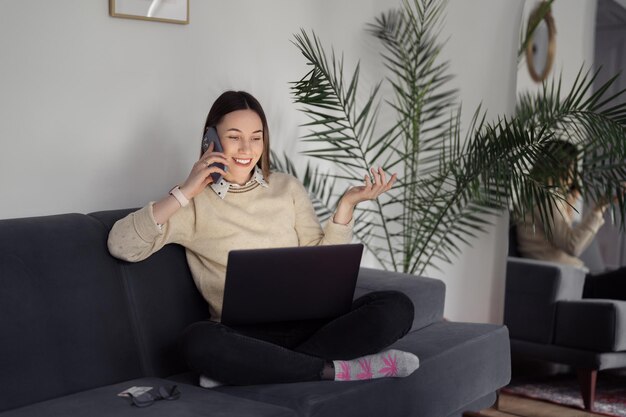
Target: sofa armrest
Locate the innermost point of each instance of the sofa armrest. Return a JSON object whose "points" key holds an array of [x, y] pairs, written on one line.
{"points": [[591, 324], [427, 294], [532, 290]]}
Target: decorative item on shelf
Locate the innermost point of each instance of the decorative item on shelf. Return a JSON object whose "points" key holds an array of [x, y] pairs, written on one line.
{"points": [[169, 11], [541, 44]]}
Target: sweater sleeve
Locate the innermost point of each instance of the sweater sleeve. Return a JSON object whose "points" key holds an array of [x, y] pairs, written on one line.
{"points": [[574, 239], [137, 236], [308, 228]]}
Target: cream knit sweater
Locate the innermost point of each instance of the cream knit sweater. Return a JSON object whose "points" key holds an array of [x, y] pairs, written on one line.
{"points": [[279, 215], [568, 241]]}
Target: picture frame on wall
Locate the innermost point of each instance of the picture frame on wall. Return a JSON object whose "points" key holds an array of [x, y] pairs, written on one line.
{"points": [[169, 11]]}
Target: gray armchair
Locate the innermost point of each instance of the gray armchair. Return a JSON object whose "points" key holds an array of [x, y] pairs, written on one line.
{"points": [[549, 320]]}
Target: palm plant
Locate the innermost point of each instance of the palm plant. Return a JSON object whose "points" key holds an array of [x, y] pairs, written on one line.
{"points": [[594, 122], [449, 186]]}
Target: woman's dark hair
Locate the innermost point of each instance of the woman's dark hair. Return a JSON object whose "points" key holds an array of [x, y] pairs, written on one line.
{"points": [[231, 101], [558, 162]]}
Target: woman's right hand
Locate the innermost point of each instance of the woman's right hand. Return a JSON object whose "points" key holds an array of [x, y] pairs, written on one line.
{"points": [[602, 204], [200, 175]]}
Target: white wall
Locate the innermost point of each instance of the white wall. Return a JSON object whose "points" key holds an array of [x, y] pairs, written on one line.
{"points": [[482, 49], [102, 113]]}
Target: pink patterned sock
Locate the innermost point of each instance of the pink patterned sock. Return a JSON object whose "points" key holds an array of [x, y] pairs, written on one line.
{"points": [[390, 363]]}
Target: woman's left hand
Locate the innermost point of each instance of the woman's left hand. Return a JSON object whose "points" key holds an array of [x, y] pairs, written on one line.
{"points": [[369, 191]]}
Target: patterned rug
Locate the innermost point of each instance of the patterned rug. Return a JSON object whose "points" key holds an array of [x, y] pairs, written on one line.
{"points": [[564, 390]]}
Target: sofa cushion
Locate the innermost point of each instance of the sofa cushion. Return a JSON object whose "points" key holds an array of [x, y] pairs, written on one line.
{"points": [[427, 294], [459, 363], [476, 405], [591, 324], [63, 310], [104, 401], [163, 300], [579, 358]]}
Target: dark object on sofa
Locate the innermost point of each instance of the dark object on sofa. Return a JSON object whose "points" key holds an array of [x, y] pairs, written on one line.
{"points": [[550, 321], [79, 326]]}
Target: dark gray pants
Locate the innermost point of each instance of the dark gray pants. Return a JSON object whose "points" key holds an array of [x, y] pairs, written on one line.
{"points": [[296, 351], [610, 285]]}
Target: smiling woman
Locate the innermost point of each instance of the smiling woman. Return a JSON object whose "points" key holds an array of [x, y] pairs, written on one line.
{"points": [[171, 11], [251, 207], [243, 146], [242, 127]]}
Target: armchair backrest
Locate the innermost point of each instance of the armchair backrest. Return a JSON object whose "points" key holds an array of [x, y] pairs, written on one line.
{"points": [[533, 289]]}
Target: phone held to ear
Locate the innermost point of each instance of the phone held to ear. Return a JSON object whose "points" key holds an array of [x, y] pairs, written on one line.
{"points": [[210, 136]]}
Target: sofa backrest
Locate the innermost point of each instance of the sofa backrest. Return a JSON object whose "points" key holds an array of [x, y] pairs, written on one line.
{"points": [[72, 317], [64, 313], [163, 300]]}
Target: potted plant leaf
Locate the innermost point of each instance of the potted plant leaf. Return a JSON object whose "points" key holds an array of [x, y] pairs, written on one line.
{"points": [[449, 186]]}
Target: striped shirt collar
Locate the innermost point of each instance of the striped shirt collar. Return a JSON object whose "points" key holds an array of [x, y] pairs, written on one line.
{"points": [[223, 187]]}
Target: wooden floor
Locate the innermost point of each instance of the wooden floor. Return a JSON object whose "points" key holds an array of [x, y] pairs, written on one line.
{"points": [[512, 406]]}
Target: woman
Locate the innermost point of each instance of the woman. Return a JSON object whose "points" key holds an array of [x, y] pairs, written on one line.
{"points": [[568, 240], [253, 208]]}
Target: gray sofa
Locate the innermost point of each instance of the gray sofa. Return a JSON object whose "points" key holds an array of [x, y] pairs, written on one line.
{"points": [[549, 320], [79, 326]]}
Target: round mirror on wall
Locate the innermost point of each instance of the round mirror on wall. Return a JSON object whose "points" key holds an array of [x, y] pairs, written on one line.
{"points": [[542, 45]]}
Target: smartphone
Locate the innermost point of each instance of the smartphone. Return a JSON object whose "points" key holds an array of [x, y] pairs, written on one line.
{"points": [[210, 136]]}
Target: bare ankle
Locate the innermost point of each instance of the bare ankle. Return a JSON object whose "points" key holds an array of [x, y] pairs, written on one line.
{"points": [[328, 372]]}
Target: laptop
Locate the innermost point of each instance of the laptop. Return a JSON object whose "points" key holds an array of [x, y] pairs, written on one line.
{"points": [[285, 284]]}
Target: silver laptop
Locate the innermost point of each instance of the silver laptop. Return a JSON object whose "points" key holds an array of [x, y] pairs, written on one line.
{"points": [[285, 284]]}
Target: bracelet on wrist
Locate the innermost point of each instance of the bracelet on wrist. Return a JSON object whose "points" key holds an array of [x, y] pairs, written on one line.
{"points": [[179, 196]]}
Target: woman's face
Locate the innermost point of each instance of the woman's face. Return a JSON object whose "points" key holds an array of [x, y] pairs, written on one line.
{"points": [[567, 180], [241, 135]]}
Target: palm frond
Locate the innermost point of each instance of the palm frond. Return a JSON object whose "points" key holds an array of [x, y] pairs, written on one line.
{"points": [[593, 121], [450, 187], [331, 105]]}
